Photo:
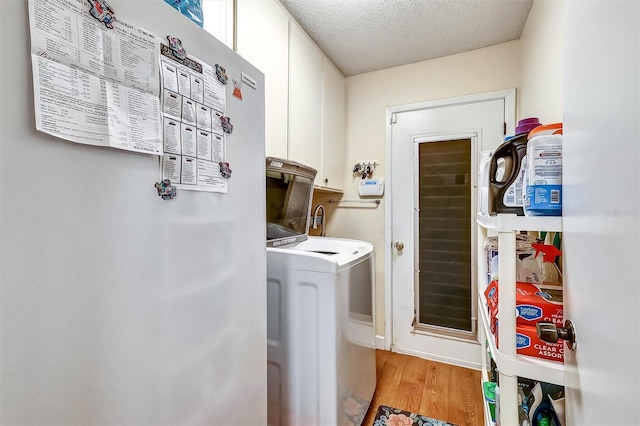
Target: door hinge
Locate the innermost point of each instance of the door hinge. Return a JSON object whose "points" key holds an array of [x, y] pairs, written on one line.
{"points": [[394, 118], [504, 131]]}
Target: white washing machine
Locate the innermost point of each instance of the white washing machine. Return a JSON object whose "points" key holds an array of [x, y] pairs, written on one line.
{"points": [[320, 332]]}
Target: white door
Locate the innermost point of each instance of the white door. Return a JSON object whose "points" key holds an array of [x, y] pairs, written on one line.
{"points": [[477, 122], [601, 211]]}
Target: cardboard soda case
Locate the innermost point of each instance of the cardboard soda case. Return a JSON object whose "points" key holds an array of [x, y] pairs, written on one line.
{"points": [[528, 343], [534, 302]]}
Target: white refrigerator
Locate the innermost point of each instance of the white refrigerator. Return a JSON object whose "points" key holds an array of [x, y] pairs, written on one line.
{"points": [[119, 307]]}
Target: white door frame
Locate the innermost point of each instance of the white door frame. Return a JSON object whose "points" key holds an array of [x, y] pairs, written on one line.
{"points": [[509, 97]]}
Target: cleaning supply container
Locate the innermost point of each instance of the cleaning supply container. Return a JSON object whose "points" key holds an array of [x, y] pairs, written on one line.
{"points": [[506, 176], [543, 187], [550, 272], [527, 124]]}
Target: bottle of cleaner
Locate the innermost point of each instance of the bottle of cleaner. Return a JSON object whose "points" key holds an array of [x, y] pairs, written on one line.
{"points": [[543, 187], [523, 419], [550, 272], [506, 189], [540, 409], [528, 270], [497, 397]]}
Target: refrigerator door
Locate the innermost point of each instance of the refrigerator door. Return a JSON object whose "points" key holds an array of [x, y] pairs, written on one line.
{"points": [[119, 307]]}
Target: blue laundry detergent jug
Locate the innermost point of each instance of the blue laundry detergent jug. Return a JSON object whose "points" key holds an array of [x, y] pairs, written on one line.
{"points": [[543, 193]]}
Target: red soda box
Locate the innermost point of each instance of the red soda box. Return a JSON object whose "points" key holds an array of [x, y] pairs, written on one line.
{"points": [[528, 343], [534, 302]]}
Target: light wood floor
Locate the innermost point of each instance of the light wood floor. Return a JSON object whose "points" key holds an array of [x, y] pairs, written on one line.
{"points": [[433, 389]]}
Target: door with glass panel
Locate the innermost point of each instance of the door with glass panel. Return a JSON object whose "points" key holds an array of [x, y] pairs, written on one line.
{"points": [[443, 218], [434, 157]]}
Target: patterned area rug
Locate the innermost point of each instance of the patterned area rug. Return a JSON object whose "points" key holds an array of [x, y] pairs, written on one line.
{"points": [[389, 416]]}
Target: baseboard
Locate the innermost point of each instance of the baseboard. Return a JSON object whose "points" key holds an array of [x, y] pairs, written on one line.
{"points": [[438, 358], [380, 342]]}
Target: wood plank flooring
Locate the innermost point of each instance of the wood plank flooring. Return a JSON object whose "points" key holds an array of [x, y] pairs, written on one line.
{"points": [[433, 389]]}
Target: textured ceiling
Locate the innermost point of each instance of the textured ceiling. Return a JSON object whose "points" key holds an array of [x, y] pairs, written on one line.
{"points": [[367, 35]]}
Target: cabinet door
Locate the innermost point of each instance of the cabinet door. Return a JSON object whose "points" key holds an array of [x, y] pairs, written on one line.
{"points": [[333, 127], [263, 40], [305, 99]]}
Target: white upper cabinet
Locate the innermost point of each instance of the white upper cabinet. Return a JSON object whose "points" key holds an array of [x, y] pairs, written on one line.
{"points": [[263, 40], [304, 92], [333, 128], [305, 100]]}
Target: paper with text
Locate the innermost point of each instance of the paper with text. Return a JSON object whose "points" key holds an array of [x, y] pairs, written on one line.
{"points": [[94, 85], [193, 101]]}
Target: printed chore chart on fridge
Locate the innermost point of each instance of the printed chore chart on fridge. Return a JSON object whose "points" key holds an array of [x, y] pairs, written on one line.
{"points": [[193, 103], [95, 79]]}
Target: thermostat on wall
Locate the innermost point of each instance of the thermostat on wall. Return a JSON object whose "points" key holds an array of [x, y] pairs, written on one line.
{"points": [[371, 188]]}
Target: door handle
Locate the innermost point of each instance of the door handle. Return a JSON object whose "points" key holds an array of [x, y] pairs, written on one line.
{"points": [[399, 245], [549, 332]]}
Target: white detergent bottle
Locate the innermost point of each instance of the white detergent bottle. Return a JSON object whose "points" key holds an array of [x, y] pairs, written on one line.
{"points": [[550, 272], [497, 405], [528, 270], [543, 186], [523, 419], [494, 268]]}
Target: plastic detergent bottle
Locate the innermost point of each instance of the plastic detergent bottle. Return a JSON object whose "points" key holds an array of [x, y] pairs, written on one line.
{"points": [[543, 188], [550, 272], [497, 398], [506, 189], [523, 419], [528, 270], [483, 182]]}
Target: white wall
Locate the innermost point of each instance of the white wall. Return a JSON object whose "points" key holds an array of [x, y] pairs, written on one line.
{"points": [[542, 44], [368, 96]]}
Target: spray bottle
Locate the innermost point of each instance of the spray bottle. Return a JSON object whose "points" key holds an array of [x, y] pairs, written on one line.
{"points": [[550, 272]]}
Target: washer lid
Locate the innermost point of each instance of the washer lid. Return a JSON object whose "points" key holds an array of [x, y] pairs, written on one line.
{"points": [[319, 254], [289, 194]]}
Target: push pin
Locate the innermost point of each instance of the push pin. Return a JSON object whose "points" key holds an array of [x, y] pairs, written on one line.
{"points": [[165, 190], [226, 124], [221, 74], [237, 89], [101, 10], [225, 170], [175, 44]]}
